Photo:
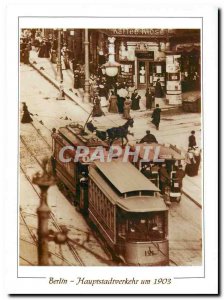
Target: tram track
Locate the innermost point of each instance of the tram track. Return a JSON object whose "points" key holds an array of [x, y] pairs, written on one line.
{"points": [[53, 222], [52, 217], [72, 245]]}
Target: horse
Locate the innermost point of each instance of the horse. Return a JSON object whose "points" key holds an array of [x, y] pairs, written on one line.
{"points": [[112, 133], [119, 132]]}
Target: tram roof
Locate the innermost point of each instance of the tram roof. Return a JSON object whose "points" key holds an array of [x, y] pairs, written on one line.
{"points": [[74, 136], [142, 204], [165, 152], [125, 177]]}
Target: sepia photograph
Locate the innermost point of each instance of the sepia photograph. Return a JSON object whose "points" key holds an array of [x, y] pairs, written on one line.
{"points": [[110, 147], [110, 165]]}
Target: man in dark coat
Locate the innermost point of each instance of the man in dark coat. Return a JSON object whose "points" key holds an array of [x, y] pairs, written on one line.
{"points": [[148, 97], [192, 140], [156, 116], [158, 89], [164, 178], [148, 138]]}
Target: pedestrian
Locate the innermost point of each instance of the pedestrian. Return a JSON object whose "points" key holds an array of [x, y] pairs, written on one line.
{"points": [[47, 49], [148, 138], [61, 95], [156, 116], [26, 115], [135, 98], [26, 56], [131, 89], [192, 140], [158, 89], [103, 95], [190, 168], [42, 49], [197, 157], [122, 94], [76, 79], [113, 108], [127, 108], [148, 97], [97, 109], [64, 53]]}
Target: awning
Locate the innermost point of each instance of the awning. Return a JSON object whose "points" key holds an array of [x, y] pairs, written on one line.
{"points": [[188, 47]]}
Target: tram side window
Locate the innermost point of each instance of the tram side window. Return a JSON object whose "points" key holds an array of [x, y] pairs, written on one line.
{"points": [[112, 216], [57, 149], [102, 203], [97, 199]]}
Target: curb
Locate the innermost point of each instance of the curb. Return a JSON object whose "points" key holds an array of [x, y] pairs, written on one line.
{"points": [[192, 199], [56, 84]]}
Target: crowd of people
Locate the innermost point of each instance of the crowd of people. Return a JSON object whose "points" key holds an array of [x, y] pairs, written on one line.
{"points": [[118, 97]]}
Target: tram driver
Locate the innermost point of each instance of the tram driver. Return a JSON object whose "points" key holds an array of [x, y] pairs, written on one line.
{"points": [[164, 178]]}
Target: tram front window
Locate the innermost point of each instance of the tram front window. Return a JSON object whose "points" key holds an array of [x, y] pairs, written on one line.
{"points": [[146, 228]]}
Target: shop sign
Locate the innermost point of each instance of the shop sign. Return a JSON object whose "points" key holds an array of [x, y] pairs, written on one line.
{"points": [[139, 32], [145, 54]]}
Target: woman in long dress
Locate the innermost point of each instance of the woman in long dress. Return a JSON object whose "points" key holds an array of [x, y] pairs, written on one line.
{"points": [[97, 109], [190, 163], [135, 100], [127, 108], [113, 108], [26, 115], [103, 95]]}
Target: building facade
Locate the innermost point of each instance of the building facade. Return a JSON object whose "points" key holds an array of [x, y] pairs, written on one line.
{"points": [[145, 55]]}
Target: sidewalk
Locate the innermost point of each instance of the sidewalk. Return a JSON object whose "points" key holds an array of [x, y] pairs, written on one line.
{"points": [[192, 186]]}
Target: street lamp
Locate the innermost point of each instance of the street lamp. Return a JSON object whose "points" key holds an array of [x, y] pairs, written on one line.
{"points": [[59, 75], [111, 67], [44, 181]]}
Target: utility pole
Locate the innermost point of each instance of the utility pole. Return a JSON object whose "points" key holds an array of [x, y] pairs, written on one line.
{"points": [[59, 75], [87, 86]]}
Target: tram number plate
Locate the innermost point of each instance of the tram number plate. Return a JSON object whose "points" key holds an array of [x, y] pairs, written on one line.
{"points": [[151, 251]]}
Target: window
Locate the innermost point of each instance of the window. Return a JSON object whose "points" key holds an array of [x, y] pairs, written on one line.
{"points": [[146, 227]]}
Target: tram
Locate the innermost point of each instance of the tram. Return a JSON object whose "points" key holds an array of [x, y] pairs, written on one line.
{"points": [[70, 173], [130, 213], [121, 203], [167, 158]]}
